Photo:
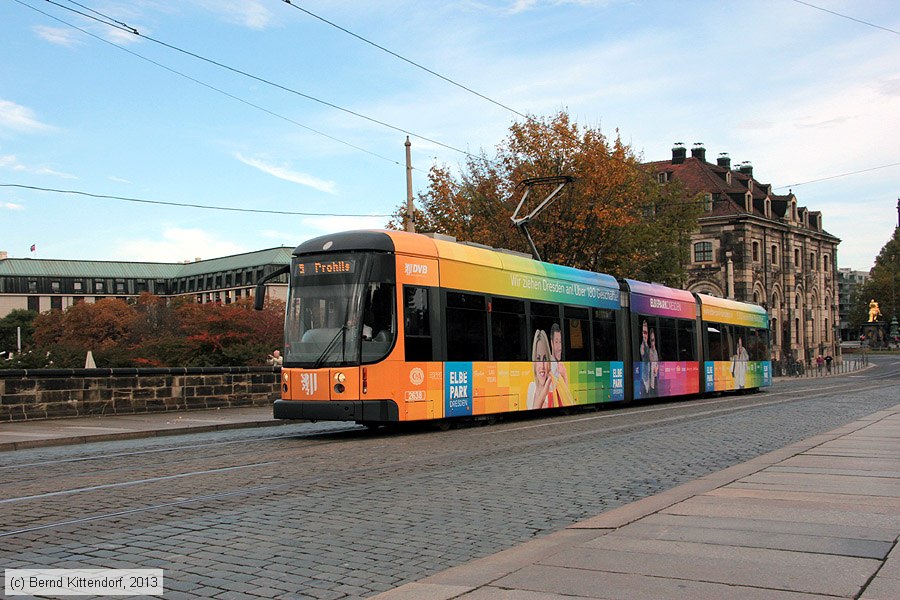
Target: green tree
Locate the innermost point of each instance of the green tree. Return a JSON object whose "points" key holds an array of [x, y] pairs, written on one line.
{"points": [[19, 322], [882, 285], [614, 218]]}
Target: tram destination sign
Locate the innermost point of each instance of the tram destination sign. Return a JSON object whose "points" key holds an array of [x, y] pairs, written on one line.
{"points": [[340, 266]]}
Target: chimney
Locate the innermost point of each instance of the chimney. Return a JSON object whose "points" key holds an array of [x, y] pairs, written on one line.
{"points": [[698, 151], [724, 160], [679, 153], [3, 255], [746, 168]]}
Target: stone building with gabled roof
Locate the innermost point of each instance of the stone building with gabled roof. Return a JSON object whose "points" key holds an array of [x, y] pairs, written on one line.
{"points": [[756, 246], [42, 284]]}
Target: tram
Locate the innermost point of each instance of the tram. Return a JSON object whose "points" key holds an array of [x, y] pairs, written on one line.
{"points": [[388, 326]]}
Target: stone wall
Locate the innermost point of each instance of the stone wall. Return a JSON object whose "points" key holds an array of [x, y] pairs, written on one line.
{"points": [[51, 393]]}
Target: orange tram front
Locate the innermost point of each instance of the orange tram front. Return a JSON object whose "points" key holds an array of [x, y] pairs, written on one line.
{"points": [[384, 327]]}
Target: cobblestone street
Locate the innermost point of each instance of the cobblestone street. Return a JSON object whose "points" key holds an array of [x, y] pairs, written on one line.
{"points": [[327, 511]]}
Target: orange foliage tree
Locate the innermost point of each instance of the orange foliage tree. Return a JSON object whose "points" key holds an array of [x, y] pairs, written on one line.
{"points": [[614, 218], [156, 332]]}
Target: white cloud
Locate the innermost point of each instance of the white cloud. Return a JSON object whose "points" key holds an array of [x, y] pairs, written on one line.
{"points": [[57, 35], [249, 13], [9, 161], [276, 235], [288, 175], [177, 245], [19, 118], [12, 206], [331, 224]]}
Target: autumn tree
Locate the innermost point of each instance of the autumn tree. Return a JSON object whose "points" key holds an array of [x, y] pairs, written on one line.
{"points": [[156, 332], [614, 218]]}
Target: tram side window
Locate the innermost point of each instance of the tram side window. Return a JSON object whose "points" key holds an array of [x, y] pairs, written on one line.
{"points": [[466, 327], [576, 337], [417, 324], [716, 339], [758, 344], [605, 340], [508, 329], [543, 318], [728, 342], [748, 341], [667, 339], [379, 314], [647, 330], [686, 345]]}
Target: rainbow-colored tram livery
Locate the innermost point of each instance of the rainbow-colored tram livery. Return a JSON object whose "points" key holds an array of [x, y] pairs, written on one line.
{"points": [[386, 326]]}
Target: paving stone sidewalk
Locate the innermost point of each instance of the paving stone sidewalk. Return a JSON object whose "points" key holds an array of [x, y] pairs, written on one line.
{"points": [[819, 518]]}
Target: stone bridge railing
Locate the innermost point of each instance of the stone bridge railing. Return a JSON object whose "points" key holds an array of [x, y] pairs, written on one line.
{"points": [[52, 393]]}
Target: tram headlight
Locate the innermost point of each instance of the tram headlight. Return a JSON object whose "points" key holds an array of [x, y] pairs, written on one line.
{"points": [[339, 377]]}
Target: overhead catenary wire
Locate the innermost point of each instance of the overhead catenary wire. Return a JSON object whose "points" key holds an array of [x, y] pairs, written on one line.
{"points": [[848, 17], [262, 80], [109, 21], [780, 187], [199, 82], [403, 58], [191, 205]]}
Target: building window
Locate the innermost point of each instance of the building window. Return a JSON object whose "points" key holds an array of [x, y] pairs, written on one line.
{"points": [[662, 177], [55, 302], [797, 258], [703, 252], [826, 262], [34, 303], [54, 287], [708, 203], [812, 261], [755, 251], [76, 286], [32, 286], [98, 286]]}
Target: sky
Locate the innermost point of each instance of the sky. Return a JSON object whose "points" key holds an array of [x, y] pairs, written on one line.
{"points": [[258, 105]]}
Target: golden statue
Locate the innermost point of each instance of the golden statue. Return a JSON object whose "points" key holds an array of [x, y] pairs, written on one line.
{"points": [[874, 311]]}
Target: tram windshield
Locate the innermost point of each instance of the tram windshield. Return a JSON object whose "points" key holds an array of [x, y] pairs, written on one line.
{"points": [[341, 310]]}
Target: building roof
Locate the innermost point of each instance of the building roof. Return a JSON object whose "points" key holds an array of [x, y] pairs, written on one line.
{"points": [[38, 267], [729, 187]]}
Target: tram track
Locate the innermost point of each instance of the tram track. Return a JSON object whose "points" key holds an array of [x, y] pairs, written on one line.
{"points": [[690, 410], [256, 471], [370, 507]]}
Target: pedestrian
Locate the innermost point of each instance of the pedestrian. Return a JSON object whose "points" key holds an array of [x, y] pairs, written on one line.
{"points": [[820, 362], [828, 360], [275, 359]]}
